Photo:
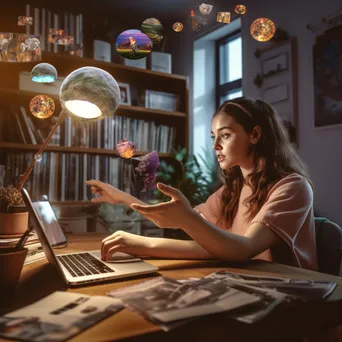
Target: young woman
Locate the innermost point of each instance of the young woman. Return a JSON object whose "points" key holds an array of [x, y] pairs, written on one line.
{"points": [[264, 209]]}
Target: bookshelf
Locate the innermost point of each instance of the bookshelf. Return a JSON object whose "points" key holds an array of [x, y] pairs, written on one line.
{"points": [[15, 152]]}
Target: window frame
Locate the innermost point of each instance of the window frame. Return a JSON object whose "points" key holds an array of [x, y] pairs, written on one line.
{"points": [[224, 89]]}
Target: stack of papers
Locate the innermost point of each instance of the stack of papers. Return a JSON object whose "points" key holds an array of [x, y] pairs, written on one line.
{"points": [[57, 317], [169, 302], [12, 241]]}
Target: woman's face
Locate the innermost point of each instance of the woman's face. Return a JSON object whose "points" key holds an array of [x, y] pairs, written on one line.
{"points": [[230, 141]]}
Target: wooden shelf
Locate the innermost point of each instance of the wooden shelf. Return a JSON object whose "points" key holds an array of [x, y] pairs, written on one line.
{"points": [[72, 203], [15, 96], [65, 64], [71, 149]]}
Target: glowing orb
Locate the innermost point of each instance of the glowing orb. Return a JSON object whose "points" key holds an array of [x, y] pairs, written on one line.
{"points": [[44, 73], [240, 9], [262, 29], [177, 27], [154, 29], [42, 106], [126, 149]]}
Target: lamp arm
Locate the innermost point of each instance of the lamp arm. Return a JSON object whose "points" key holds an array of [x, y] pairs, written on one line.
{"points": [[62, 116]]}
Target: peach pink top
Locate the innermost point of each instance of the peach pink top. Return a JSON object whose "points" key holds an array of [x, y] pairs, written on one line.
{"points": [[288, 211]]}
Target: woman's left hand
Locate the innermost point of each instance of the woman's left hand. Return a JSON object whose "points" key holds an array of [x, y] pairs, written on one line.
{"points": [[173, 214]]}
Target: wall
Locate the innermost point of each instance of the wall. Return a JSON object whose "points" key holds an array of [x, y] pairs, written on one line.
{"points": [[320, 149]]}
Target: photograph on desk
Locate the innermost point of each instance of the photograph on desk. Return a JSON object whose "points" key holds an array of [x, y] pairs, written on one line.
{"points": [[163, 300], [293, 288], [57, 317]]}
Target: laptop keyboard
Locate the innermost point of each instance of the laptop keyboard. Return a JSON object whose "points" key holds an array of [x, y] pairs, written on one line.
{"points": [[82, 264]]}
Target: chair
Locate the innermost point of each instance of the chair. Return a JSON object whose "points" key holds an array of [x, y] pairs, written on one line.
{"points": [[329, 246]]}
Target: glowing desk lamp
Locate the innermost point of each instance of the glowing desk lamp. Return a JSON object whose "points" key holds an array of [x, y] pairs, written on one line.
{"points": [[86, 94]]}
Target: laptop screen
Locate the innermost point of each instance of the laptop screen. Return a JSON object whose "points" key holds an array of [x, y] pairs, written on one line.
{"points": [[52, 229], [40, 230]]}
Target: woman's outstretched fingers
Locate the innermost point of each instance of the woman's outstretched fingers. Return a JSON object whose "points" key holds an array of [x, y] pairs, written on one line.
{"points": [[168, 190]]}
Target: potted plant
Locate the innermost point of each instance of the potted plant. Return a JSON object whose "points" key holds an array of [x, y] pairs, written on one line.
{"points": [[13, 212], [196, 177]]}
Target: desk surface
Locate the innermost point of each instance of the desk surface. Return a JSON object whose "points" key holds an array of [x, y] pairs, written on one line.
{"points": [[284, 323]]}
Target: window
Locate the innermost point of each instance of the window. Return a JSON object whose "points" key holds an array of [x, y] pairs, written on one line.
{"points": [[228, 67]]}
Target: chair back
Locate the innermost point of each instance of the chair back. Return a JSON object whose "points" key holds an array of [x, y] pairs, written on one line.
{"points": [[329, 246]]}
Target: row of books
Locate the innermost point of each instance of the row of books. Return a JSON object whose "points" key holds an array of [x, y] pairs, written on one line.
{"points": [[61, 176], [105, 134]]}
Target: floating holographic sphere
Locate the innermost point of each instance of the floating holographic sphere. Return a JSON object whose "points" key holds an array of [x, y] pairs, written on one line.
{"points": [[89, 94], [44, 73], [133, 44], [240, 9], [177, 27], [42, 106], [126, 149], [154, 29], [262, 29]]}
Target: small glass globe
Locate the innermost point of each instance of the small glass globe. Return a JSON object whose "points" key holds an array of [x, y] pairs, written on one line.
{"points": [[240, 9], [44, 73], [177, 27], [42, 106], [262, 29], [126, 149], [38, 157]]}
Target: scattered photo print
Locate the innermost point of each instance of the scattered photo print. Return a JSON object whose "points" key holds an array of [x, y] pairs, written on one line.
{"points": [[223, 17]]}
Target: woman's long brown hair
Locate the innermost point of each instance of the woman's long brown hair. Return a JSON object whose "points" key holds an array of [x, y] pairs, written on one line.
{"points": [[274, 157]]}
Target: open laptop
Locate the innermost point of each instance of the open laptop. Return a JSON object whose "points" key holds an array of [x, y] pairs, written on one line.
{"points": [[85, 267]]}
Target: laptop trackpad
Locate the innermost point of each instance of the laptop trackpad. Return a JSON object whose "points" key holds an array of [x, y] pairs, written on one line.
{"points": [[118, 257]]}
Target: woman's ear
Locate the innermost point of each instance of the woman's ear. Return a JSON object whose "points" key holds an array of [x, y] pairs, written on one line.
{"points": [[256, 135]]}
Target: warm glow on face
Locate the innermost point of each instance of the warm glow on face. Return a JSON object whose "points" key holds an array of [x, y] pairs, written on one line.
{"points": [[83, 109]]}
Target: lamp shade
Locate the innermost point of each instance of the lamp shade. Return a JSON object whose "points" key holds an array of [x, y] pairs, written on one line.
{"points": [[89, 94], [19, 47], [44, 73]]}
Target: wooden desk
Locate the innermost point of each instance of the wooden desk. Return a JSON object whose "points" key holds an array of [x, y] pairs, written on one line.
{"points": [[283, 324]]}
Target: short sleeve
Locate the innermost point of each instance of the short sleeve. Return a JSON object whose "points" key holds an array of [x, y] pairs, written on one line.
{"points": [[212, 209], [287, 207]]}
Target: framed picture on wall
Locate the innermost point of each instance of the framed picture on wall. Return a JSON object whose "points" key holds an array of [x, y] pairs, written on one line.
{"points": [[161, 100], [327, 69], [278, 81], [125, 93]]}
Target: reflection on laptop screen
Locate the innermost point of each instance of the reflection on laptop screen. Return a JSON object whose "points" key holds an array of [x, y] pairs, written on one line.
{"points": [[52, 229]]}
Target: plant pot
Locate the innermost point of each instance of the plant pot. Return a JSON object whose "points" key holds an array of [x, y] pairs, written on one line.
{"points": [[14, 221], [11, 264]]}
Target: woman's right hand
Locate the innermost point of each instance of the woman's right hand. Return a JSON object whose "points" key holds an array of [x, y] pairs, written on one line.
{"points": [[106, 193], [121, 241]]}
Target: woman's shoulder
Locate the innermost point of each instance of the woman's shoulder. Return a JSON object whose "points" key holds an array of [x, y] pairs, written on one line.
{"points": [[293, 183]]}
